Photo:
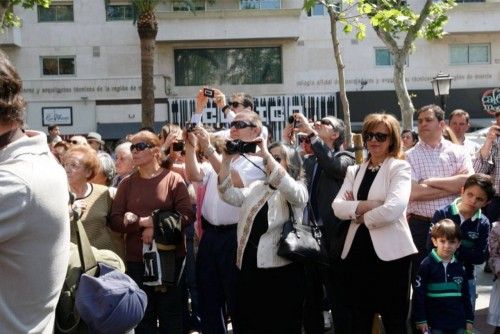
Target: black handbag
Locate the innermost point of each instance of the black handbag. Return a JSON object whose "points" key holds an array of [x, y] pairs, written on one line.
{"points": [[302, 243], [167, 227]]}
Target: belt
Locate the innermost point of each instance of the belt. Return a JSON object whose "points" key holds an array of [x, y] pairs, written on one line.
{"points": [[217, 228], [419, 217]]}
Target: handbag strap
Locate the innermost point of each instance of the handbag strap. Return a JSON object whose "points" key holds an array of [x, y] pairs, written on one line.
{"points": [[290, 212], [87, 258]]}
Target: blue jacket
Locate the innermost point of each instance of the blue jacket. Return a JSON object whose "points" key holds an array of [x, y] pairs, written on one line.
{"points": [[475, 230], [441, 295]]}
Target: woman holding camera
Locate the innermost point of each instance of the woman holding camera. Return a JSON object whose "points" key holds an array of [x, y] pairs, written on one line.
{"points": [[269, 287], [148, 188]]}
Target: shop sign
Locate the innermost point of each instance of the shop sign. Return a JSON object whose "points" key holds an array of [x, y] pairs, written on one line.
{"points": [[491, 100]]}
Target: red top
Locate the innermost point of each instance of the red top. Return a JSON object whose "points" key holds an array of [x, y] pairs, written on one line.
{"points": [[141, 197]]}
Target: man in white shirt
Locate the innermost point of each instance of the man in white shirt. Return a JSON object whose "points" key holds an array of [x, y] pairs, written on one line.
{"points": [[459, 123], [34, 218], [216, 261]]}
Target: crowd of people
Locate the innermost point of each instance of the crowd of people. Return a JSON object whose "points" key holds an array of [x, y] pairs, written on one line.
{"points": [[420, 213]]}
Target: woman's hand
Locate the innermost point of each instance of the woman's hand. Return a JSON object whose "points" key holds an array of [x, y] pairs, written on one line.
{"points": [[171, 138], [288, 132], [129, 218], [146, 221], [219, 98], [203, 137], [348, 196], [201, 101], [423, 328], [147, 235], [262, 145]]}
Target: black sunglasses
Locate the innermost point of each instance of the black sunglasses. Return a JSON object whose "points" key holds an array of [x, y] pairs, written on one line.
{"points": [[277, 158], [140, 146], [379, 136], [235, 104], [242, 124]]}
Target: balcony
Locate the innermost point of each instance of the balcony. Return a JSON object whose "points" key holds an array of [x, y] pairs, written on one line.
{"points": [[474, 17], [229, 25], [10, 37]]}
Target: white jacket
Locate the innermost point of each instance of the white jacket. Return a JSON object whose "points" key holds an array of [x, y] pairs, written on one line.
{"points": [[252, 199], [387, 223]]}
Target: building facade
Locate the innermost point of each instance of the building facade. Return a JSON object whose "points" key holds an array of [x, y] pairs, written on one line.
{"points": [[80, 61]]}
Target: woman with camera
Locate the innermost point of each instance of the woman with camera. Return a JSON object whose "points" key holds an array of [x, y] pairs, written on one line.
{"points": [[374, 271], [269, 287], [148, 188]]}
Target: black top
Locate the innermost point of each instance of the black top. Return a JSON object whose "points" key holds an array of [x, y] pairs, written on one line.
{"points": [[259, 227]]}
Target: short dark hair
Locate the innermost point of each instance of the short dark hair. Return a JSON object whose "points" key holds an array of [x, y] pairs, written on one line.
{"points": [[52, 127], [459, 112], [12, 104], [483, 181], [446, 228], [414, 135], [438, 112], [247, 100]]}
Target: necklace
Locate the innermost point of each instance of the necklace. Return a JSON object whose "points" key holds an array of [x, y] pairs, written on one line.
{"points": [[374, 168]]}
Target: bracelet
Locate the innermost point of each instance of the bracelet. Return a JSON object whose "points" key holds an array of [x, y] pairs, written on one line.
{"points": [[209, 151]]}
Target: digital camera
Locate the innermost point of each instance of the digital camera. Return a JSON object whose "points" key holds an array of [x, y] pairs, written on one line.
{"points": [[178, 146], [240, 147], [208, 92]]}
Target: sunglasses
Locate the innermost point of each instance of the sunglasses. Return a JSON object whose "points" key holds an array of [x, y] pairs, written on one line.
{"points": [[241, 124], [277, 158], [379, 136], [235, 104], [140, 146], [303, 139]]}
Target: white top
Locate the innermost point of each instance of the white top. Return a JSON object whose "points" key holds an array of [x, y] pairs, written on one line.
{"points": [[214, 209], [34, 235]]}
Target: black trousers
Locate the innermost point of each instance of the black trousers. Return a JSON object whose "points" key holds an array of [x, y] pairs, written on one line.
{"points": [[364, 285], [420, 232], [270, 300]]}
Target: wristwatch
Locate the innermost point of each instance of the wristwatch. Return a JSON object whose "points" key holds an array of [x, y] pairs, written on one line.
{"points": [[311, 135]]}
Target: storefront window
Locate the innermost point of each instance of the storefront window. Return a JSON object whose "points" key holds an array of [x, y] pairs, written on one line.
{"points": [[236, 66]]}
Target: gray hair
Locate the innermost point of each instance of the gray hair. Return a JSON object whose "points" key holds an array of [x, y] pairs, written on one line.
{"points": [[339, 127], [107, 165], [292, 159], [124, 147]]}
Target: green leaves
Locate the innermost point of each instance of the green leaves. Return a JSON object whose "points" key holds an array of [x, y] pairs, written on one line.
{"points": [[7, 16]]}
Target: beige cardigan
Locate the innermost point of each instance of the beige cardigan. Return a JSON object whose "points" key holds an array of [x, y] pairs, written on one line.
{"points": [[387, 223], [252, 199]]}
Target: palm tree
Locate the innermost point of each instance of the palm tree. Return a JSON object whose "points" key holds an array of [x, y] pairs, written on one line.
{"points": [[147, 27]]}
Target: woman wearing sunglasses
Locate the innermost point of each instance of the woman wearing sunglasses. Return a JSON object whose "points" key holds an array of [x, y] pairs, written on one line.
{"points": [[375, 268], [269, 288], [148, 188]]}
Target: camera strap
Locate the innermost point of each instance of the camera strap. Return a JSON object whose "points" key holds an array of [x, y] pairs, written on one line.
{"points": [[244, 156]]}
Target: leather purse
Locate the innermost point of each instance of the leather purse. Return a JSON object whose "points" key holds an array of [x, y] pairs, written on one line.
{"points": [[167, 227], [302, 243]]}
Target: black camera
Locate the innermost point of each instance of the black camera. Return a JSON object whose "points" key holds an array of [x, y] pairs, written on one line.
{"points": [[292, 120], [190, 127], [208, 92], [241, 147], [178, 146]]}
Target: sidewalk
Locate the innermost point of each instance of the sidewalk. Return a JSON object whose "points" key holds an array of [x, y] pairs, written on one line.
{"points": [[484, 283]]}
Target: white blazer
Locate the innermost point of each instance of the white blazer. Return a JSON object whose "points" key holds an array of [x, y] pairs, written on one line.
{"points": [[387, 223]]}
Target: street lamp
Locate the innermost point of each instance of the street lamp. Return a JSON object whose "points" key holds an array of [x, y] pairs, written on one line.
{"points": [[441, 84]]}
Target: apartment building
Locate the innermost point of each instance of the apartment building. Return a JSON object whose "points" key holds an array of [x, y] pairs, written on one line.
{"points": [[80, 61]]}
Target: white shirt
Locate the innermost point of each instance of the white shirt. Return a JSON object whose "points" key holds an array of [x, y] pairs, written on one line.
{"points": [[214, 209]]}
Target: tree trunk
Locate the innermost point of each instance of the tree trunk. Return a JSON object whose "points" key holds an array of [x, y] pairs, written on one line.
{"points": [[404, 99], [340, 70], [147, 28]]}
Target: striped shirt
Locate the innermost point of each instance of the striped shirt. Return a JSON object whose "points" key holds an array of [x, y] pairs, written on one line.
{"points": [[490, 165], [444, 160]]}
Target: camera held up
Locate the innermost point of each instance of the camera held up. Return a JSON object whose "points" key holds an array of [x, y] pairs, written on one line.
{"points": [[240, 147]]}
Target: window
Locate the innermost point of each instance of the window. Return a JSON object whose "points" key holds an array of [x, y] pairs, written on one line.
{"points": [[384, 57], [58, 65], [461, 54], [60, 12], [199, 5], [119, 12], [317, 10], [260, 4], [235, 66]]}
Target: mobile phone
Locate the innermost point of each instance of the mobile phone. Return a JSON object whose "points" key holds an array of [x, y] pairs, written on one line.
{"points": [[208, 92]]}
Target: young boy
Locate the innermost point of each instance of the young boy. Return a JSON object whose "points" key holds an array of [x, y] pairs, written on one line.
{"points": [[441, 302], [465, 211]]}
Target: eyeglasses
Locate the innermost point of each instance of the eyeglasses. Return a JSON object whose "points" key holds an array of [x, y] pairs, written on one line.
{"points": [[140, 146], [72, 165], [235, 104], [277, 158], [379, 136], [242, 124]]}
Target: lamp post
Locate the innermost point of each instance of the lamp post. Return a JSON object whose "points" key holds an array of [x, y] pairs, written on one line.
{"points": [[441, 84]]}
